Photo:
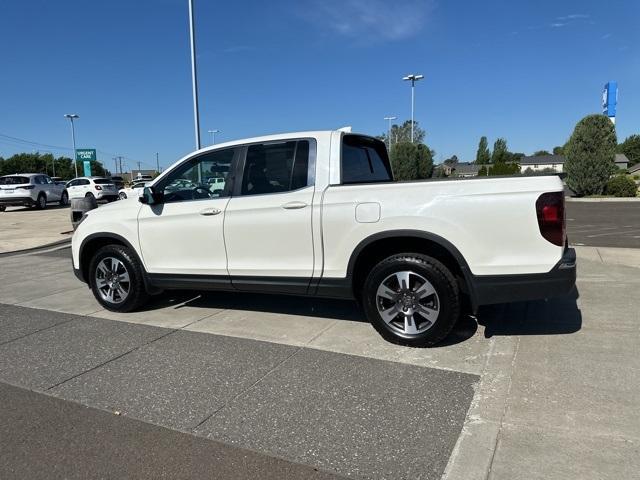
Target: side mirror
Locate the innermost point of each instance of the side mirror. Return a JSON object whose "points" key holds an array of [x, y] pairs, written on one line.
{"points": [[151, 197]]}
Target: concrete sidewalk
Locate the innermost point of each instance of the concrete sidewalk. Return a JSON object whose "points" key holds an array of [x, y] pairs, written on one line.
{"points": [[23, 228], [557, 394]]}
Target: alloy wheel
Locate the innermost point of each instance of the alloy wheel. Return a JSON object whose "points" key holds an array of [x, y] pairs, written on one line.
{"points": [[407, 302], [112, 280]]}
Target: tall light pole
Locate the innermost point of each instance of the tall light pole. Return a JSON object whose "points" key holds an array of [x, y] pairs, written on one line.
{"points": [[389, 130], [194, 75], [157, 164], [413, 78], [72, 116], [213, 136]]}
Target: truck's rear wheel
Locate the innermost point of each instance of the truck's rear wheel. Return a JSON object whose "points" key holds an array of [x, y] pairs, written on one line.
{"points": [[116, 279], [411, 299]]}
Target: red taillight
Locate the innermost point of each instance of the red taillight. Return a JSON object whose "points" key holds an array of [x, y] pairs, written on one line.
{"points": [[27, 187], [98, 187], [550, 210]]}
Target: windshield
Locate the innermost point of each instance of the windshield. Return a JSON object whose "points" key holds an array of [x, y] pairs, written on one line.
{"points": [[13, 180], [102, 181]]}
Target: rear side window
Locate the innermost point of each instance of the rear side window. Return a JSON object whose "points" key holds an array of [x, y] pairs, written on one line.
{"points": [[13, 180], [276, 167], [83, 181], [364, 160]]}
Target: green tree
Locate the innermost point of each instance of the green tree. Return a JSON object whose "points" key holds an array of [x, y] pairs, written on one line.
{"points": [[483, 155], [590, 153], [500, 151], [631, 148], [540, 153], [44, 163], [402, 133], [558, 150], [504, 168], [483, 172], [411, 162]]}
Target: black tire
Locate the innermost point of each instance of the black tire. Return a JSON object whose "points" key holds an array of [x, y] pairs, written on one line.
{"points": [[2, 208], [137, 295], [90, 195], [41, 203], [446, 299], [64, 199]]}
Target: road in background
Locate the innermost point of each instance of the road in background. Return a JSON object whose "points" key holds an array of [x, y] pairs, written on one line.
{"points": [[604, 224]]}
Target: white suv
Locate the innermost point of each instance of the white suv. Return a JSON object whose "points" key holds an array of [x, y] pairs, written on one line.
{"points": [[98, 187], [30, 190]]}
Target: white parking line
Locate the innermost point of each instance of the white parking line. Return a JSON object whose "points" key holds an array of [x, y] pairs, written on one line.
{"points": [[613, 233]]}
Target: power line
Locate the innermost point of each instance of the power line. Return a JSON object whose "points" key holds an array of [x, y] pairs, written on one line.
{"points": [[21, 141]]}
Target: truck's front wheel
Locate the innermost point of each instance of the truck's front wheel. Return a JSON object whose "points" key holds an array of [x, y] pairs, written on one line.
{"points": [[411, 299], [115, 276]]}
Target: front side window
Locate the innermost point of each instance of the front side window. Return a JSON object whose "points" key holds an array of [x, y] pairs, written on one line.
{"points": [[199, 178], [364, 160], [276, 167]]}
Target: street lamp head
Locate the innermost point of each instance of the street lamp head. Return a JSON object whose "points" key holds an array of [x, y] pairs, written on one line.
{"points": [[390, 118], [413, 77], [71, 115], [213, 131]]}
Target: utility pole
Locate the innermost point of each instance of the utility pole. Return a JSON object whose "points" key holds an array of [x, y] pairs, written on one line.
{"points": [[115, 160], [194, 76], [413, 78], [157, 164]]}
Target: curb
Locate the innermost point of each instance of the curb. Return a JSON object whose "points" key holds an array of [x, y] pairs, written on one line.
{"points": [[603, 199], [47, 246]]}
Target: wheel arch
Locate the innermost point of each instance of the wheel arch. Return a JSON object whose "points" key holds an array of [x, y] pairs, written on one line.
{"points": [[384, 244], [92, 243]]}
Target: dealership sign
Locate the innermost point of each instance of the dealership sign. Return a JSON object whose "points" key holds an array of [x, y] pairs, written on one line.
{"points": [[610, 99]]}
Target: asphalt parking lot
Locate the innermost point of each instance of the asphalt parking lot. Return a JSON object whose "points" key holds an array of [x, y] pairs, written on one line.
{"points": [[604, 224], [281, 387]]}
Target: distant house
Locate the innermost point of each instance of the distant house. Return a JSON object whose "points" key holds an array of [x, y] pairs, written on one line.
{"points": [[465, 169], [635, 170], [541, 162], [556, 162]]}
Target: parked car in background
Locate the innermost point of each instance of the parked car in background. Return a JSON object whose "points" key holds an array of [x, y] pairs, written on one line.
{"points": [[118, 181], [319, 214], [133, 190], [98, 187], [30, 190]]}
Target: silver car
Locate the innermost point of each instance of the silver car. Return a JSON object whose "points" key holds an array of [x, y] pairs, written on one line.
{"points": [[30, 190]]}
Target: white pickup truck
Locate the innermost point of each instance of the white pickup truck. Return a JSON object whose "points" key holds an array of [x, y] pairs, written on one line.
{"points": [[319, 214]]}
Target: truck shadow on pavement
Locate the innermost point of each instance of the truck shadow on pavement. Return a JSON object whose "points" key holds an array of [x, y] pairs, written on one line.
{"points": [[555, 316], [541, 317]]}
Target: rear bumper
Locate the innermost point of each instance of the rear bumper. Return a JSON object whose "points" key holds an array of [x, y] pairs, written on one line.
{"points": [[16, 201], [491, 289]]}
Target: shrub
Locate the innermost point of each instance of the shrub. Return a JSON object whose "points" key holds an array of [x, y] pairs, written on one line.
{"points": [[503, 168], [590, 153], [621, 186]]}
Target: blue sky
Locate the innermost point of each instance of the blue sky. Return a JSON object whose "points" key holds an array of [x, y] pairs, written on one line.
{"points": [[526, 71]]}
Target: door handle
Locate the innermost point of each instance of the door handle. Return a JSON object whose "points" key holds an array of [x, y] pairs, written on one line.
{"points": [[294, 205], [210, 211]]}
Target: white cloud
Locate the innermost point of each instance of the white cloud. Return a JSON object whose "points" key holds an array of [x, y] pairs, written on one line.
{"points": [[576, 16], [369, 21], [557, 25], [605, 36]]}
